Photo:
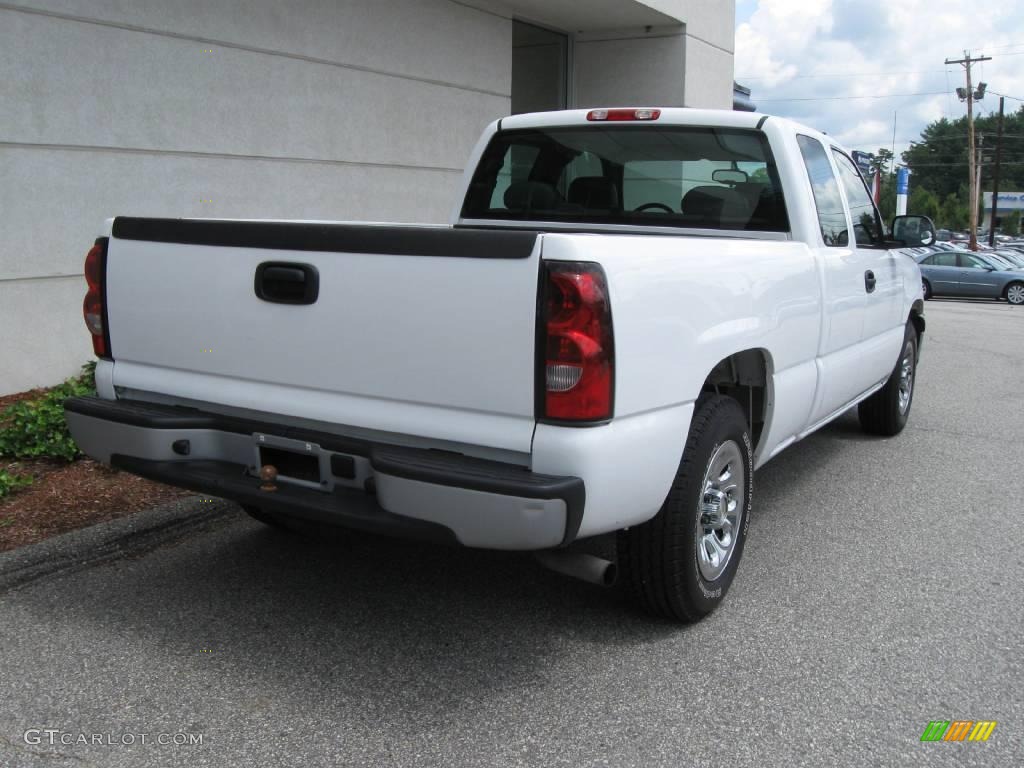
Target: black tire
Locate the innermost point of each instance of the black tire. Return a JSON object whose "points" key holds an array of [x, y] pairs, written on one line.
{"points": [[659, 559], [1018, 298], [884, 412], [926, 288], [267, 518]]}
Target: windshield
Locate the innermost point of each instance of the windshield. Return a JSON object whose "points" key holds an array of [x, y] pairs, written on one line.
{"points": [[706, 178]]}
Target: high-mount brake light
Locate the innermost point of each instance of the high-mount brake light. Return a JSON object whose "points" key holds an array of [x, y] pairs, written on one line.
{"points": [[576, 329], [622, 115], [93, 309]]}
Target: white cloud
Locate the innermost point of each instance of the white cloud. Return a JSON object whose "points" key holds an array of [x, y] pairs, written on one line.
{"points": [[815, 49]]}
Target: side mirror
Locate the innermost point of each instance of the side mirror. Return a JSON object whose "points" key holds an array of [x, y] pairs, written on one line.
{"points": [[913, 231], [728, 176]]}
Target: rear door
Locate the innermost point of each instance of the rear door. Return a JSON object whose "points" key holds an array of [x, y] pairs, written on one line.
{"points": [[841, 369], [977, 278], [883, 280], [420, 331]]}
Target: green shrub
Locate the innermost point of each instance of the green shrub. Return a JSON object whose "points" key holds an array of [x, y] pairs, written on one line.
{"points": [[10, 482], [36, 428]]}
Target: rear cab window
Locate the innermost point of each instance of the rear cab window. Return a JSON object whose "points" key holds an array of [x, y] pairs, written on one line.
{"points": [[667, 176]]}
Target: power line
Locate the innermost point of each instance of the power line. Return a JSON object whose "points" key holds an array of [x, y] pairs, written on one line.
{"points": [[834, 98], [844, 74]]}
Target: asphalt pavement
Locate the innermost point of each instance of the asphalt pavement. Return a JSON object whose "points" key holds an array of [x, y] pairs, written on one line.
{"points": [[882, 587]]}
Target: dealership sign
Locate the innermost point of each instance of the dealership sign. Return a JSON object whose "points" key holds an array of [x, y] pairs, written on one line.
{"points": [[1008, 201]]}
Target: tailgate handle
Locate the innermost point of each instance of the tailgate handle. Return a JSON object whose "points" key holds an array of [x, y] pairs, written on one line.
{"points": [[285, 282]]}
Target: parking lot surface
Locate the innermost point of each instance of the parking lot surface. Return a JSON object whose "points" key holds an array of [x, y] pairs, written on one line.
{"points": [[882, 587]]}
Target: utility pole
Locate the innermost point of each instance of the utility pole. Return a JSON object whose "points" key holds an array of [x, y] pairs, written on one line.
{"points": [[967, 94], [995, 177]]}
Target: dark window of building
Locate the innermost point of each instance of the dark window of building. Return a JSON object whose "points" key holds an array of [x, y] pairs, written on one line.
{"points": [[540, 69]]}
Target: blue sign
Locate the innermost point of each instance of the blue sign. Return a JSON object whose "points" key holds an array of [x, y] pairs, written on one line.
{"points": [[903, 181], [863, 161]]}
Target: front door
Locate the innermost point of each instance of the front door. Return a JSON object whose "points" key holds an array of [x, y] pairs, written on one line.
{"points": [[976, 277]]}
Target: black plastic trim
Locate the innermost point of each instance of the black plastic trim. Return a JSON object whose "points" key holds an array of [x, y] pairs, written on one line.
{"points": [[345, 508], [477, 243], [761, 121], [103, 242], [138, 413]]}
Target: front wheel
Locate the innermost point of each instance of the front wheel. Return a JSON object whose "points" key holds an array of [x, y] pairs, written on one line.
{"points": [[1015, 293], [886, 412], [926, 289], [680, 563]]}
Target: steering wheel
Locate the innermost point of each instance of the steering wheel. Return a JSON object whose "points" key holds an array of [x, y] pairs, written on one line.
{"points": [[649, 206]]}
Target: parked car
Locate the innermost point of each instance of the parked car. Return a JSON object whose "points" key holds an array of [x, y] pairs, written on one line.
{"points": [[962, 273], [1016, 258], [630, 312]]}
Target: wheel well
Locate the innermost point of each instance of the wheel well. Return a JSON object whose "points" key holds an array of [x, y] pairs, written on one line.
{"points": [[917, 318], [743, 376]]}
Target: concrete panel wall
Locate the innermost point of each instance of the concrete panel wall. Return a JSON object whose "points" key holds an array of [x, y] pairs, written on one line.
{"points": [[709, 73], [630, 68], [329, 109]]}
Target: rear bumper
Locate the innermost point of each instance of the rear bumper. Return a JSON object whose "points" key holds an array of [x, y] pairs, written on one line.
{"points": [[381, 488]]}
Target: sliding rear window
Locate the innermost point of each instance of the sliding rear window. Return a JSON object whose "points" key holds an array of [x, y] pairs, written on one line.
{"points": [[700, 178]]}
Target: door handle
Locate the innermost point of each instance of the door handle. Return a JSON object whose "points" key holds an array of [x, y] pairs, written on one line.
{"points": [[869, 281], [285, 282]]}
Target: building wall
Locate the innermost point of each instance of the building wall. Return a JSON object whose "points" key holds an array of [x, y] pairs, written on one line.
{"points": [[345, 109], [310, 109]]}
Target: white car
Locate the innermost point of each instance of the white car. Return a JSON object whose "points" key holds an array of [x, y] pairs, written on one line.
{"points": [[630, 311]]}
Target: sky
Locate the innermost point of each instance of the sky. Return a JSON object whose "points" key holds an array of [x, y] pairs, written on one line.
{"points": [[884, 49]]}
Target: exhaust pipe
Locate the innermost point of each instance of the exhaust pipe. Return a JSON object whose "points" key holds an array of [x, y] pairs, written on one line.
{"points": [[595, 570]]}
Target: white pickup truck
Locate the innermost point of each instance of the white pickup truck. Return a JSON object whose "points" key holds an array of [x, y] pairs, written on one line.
{"points": [[630, 312]]}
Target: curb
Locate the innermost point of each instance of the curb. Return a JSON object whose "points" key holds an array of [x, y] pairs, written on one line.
{"points": [[135, 534]]}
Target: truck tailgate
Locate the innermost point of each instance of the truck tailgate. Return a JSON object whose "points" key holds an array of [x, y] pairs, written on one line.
{"points": [[423, 331]]}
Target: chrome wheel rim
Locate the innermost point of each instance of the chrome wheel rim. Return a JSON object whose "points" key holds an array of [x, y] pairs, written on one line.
{"points": [[720, 511], [1016, 294], [906, 388]]}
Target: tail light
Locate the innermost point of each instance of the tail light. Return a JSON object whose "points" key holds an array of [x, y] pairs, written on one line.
{"points": [[93, 308], [576, 333]]}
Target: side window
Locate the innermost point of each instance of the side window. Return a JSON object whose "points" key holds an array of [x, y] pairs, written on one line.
{"points": [[828, 201], [867, 229], [971, 262], [943, 260]]}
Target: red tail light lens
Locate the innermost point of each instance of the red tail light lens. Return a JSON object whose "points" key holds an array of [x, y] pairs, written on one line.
{"points": [[621, 115], [578, 352], [92, 308]]}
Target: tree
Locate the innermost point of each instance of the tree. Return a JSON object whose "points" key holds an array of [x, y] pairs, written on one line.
{"points": [[953, 213], [1011, 223], [924, 203], [939, 160], [882, 161]]}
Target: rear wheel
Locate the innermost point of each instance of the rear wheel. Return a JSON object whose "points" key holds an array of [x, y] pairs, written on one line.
{"points": [[886, 412], [680, 563], [1015, 293], [926, 288]]}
